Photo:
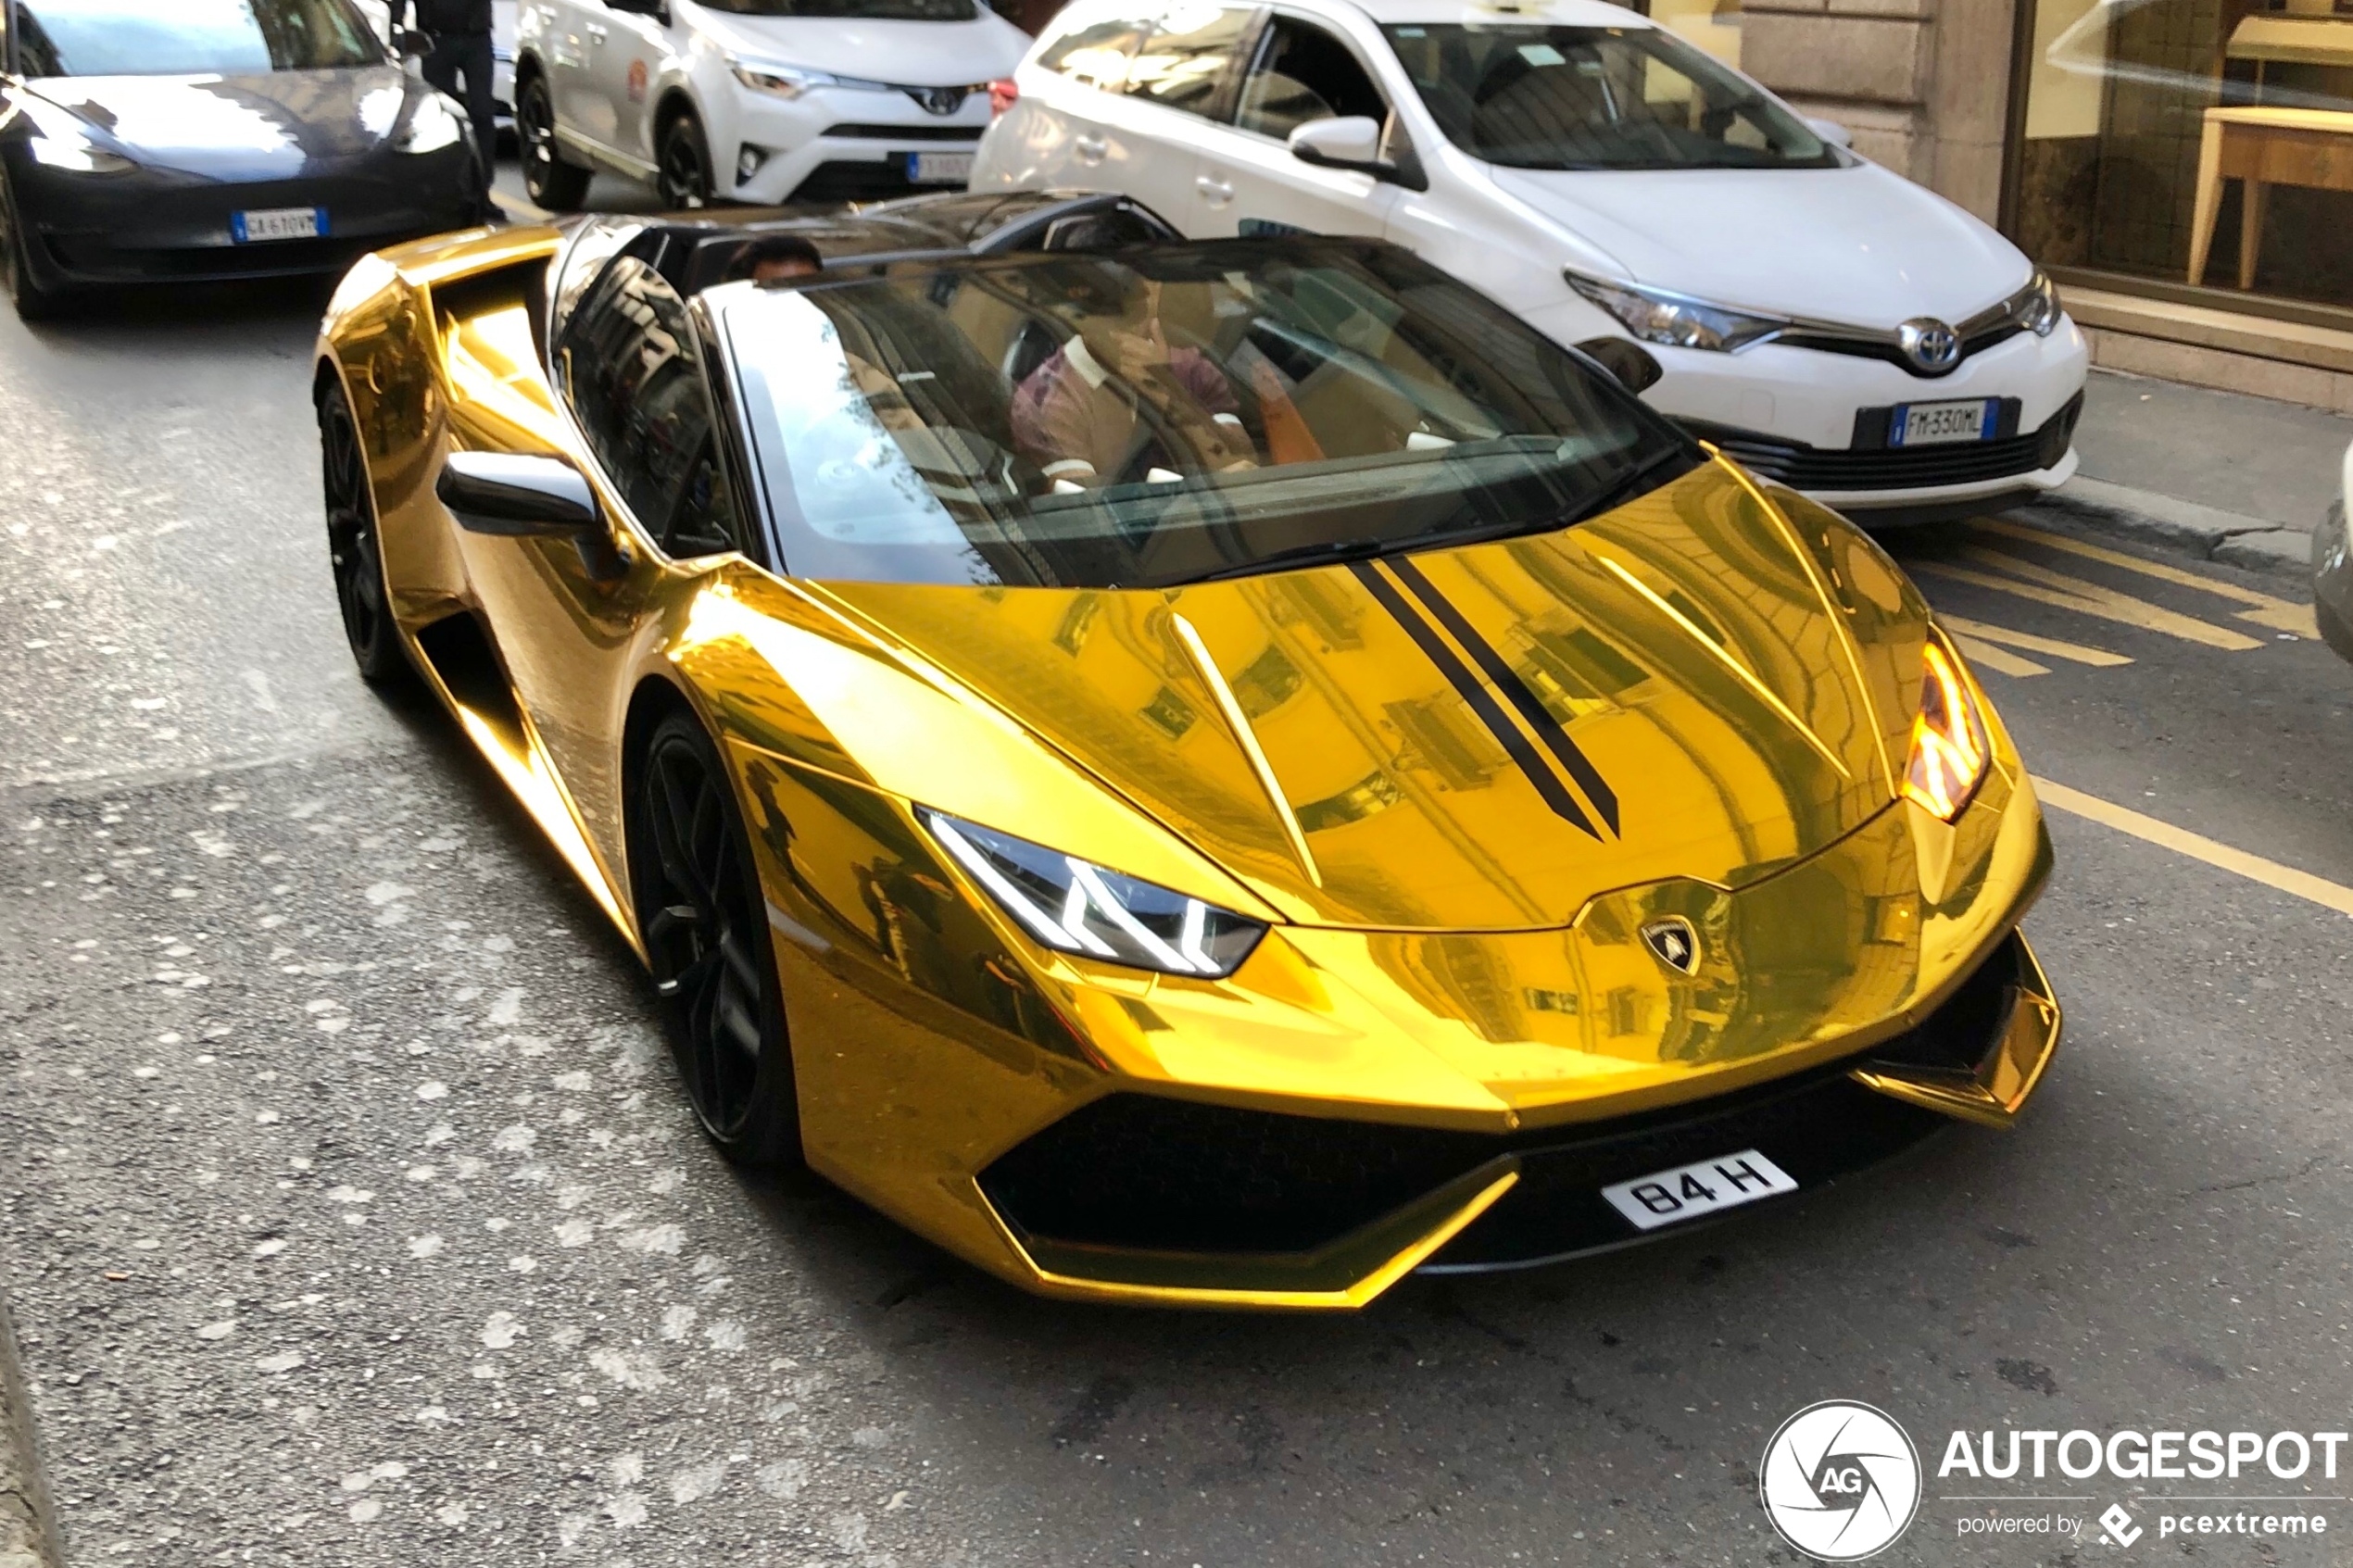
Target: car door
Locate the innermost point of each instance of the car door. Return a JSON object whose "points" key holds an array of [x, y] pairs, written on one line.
{"points": [[625, 64], [575, 32], [1245, 179], [1060, 133], [566, 616], [1181, 79]]}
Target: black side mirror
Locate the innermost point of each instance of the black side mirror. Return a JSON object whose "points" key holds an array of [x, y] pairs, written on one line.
{"points": [[410, 44], [518, 496], [1636, 370]]}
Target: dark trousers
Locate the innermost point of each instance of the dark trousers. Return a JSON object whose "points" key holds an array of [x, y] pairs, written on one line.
{"points": [[467, 54]]}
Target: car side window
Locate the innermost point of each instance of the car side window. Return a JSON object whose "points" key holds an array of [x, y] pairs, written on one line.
{"points": [[1302, 73], [1185, 60], [631, 370], [1100, 52]]}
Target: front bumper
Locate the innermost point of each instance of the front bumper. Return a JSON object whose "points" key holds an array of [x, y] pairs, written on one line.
{"points": [[1353, 1105], [1156, 1193], [837, 142], [157, 225], [1828, 409]]}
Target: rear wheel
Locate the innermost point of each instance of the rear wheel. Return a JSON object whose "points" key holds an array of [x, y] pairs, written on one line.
{"points": [[553, 183], [354, 546], [683, 174], [2334, 631], [705, 921]]}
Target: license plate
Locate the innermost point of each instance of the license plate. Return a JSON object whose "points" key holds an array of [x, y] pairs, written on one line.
{"points": [[1687, 1192], [938, 169], [1939, 424], [278, 223]]}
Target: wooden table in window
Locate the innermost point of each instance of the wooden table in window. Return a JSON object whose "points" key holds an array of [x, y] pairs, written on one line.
{"points": [[2264, 147]]}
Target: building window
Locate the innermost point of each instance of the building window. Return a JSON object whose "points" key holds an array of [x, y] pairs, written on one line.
{"points": [[2191, 141]]}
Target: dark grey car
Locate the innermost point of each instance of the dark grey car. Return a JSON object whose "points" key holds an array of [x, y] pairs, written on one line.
{"points": [[144, 140]]}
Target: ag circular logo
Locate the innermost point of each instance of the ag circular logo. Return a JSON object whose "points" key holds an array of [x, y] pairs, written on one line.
{"points": [[1841, 1481]]}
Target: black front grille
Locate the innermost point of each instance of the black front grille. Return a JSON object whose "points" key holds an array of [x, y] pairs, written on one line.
{"points": [[1871, 464], [968, 134], [1143, 1173]]}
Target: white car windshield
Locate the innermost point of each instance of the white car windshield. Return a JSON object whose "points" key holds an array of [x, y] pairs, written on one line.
{"points": [[1166, 415], [1598, 97], [189, 37]]}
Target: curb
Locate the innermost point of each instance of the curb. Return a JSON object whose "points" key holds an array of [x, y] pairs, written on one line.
{"points": [[2255, 544], [26, 1540]]}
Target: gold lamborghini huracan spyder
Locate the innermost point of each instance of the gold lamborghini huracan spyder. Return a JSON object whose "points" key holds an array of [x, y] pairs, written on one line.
{"points": [[1209, 773]]}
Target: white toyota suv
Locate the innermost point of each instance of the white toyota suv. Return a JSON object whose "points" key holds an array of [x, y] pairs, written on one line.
{"points": [[1831, 325], [755, 100]]}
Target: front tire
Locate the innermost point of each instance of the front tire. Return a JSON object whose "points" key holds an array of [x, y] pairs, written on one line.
{"points": [[33, 302], [683, 178], [552, 183], [705, 921], [356, 548]]}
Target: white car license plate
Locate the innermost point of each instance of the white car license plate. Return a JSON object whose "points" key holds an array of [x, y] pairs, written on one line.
{"points": [[278, 223], [1939, 424], [1666, 1198], [938, 169]]}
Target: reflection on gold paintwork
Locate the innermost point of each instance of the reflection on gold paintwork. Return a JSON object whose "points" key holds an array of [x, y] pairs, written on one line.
{"points": [[1445, 950]]}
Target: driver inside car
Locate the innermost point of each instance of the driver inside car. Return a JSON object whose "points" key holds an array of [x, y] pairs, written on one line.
{"points": [[1119, 404]]}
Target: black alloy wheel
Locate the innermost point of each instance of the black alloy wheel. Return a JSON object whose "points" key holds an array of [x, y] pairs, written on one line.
{"points": [[33, 302], [705, 923], [684, 177], [353, 547], [552, 183]]}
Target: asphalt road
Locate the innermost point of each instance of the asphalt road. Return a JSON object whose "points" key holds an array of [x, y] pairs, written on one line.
{"points": [[350, 1213]]}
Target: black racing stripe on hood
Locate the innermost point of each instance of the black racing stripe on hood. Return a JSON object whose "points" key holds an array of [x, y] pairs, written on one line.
{"points": [[1506, 680], [1466, 685]]}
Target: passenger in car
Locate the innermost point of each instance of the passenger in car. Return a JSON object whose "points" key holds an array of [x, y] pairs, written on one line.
{"points": [[1118, 403]]}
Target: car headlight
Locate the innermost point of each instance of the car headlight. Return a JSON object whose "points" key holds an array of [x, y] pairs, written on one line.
{"points": [[788, 82], [2037, 307], [1678, 320], [1950, 754], [430, 128], [77, 155], [1075, 906]]}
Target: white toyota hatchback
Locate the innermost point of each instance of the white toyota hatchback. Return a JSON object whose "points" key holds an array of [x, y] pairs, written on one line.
{"points": [[1830, 324], [755, 100]]}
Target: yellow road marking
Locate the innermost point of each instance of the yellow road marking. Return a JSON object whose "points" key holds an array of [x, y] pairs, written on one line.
{"points": [[2087, 599], [2255, 868], [2000, 660], [2027, 640], [2280, 615]]}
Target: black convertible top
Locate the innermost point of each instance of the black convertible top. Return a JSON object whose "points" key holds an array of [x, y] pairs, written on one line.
{"points": [[695, 254]]}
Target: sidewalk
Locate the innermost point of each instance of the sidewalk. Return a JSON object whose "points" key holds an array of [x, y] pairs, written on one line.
{"points": [[2230, 478]]}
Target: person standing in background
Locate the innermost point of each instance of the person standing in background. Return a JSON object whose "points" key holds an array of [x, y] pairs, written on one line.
{"points": [[459, 32]]}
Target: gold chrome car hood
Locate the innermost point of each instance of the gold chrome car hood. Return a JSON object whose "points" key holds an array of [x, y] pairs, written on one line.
{"points": [[1481, 738]]}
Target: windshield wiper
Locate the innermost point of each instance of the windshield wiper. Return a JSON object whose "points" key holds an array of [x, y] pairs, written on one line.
{"points": [[1331, 552]]}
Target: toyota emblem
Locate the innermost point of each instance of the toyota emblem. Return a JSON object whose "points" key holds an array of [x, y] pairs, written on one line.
{"points": [[1930, 345], [939, 100]]}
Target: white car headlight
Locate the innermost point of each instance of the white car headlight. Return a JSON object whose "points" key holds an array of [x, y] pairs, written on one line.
{"points": [[432, 127], [1676, 320], [789, 81], [2037, 307], [1075, 906]]}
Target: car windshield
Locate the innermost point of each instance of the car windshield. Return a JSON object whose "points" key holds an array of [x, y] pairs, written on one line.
{"points": [[1166, 415], [190, 37], [1598, 97], [865, 10]]}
